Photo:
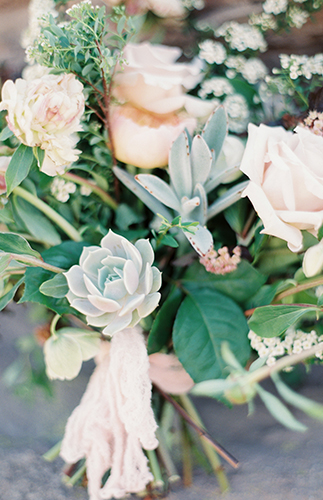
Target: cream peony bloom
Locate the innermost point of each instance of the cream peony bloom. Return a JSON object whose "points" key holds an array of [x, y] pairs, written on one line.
{"points": [[286, 181], [46, 112], [115, 284], [153, 107]]}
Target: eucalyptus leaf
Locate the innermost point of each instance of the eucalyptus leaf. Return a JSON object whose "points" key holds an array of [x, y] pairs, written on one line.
{"points": [[311, 408], [5, 134], [19, 167], [273, 321], [35, 222], [205, 320], [14, 243], [279, 411], [56, 287]]}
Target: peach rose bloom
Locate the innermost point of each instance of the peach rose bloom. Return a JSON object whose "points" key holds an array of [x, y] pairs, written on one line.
{"points": [[153, 107]]}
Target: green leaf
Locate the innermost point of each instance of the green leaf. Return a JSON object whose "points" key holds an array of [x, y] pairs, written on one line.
{"points": [[206, 319], [34, 278], [161, 329], [35, 222], [240, 285], [64, 256], [56, 287], [279, 411], [272, 321], [169, 241], [8, 297], [19, 167], [4, 262], [5, 134], [311, 408], [6, 215], [14, 243]]}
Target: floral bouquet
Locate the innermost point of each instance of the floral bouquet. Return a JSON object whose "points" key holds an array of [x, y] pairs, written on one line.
{"points": [[167, 214]]}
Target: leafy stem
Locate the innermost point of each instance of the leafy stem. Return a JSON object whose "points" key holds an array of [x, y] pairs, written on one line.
{"points": [[105, 197], [68, 229]]}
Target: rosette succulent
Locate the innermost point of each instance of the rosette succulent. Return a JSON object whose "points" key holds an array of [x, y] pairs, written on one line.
{"points": [[195, 168], [115, 285]]}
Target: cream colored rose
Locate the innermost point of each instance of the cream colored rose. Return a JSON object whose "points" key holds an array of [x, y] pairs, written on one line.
{"points": [[162, 8], [286, 181], [153, 107], [46, 112]]}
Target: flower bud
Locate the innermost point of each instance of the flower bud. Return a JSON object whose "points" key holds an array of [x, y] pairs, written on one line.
{"points": [[313, 260]]}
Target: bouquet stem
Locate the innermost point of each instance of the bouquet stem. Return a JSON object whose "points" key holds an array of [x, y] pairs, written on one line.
{"points": [[208, 448]]}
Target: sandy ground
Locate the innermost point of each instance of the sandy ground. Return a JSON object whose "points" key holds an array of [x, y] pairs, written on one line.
{"points": [[276, 464]]}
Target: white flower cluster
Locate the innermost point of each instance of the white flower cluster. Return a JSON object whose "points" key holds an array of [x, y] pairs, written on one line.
{"points": [[295, 341], [212, 52], [237, 110], [301, 65], [36, 10], [264, 21], [217, 86], [62, 189], [297, 17], [242, 37], [275, 6]]}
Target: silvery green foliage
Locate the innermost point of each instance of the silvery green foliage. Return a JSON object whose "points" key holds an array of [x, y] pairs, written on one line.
{"points": [[115, 285], [194, 171]]}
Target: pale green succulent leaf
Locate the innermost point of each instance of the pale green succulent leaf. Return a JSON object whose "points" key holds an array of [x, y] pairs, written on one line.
{"points": [[201, 160], [201, 240], [199, 213], [150, 201], [231, 196], [180, 166], [219, 177], [159, 189], [215, 131]]}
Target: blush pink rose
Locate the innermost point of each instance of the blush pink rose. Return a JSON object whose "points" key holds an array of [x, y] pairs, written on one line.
{"points": [[286, 181]]}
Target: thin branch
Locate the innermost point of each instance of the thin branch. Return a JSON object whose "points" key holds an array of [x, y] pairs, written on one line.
{"points": [[201, 432]]}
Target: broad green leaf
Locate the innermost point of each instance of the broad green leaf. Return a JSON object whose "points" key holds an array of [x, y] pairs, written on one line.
{"points": [[311, 408], [168, 240], [272, 321], [14, 243], [8, 297], [240, 285], [35, 222], [161, 329], [6, 215], [279, 411], [205, 320], [5, 260], [34, 278], [19, 167], [64, 256], [5, 134], [56, 287]]}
